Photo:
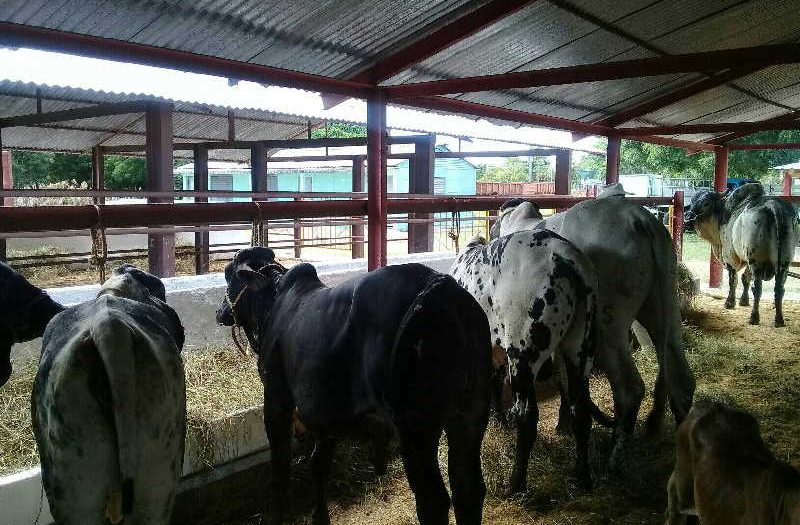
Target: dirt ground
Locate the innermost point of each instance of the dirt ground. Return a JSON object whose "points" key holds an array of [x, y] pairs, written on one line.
{"points": [[755, 367]]}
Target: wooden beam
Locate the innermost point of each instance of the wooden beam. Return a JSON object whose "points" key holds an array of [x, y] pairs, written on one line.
{"points": [[690, 146], [102, 110], [18, 35], [760, 56], [689, 129], [649, 106]]}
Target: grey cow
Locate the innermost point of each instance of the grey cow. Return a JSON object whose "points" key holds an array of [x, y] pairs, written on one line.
{"points": [[749, 230], [108, 407], [635, 264], [538, 292]]}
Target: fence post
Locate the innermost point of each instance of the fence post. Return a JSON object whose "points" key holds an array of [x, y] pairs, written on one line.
{"points": [[420, 182], [357, 230], [201, 255], [6, 183], [376, 171], [98, 173], [298, 234], [677, 224]]}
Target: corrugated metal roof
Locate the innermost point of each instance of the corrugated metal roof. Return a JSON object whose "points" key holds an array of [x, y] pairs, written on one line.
{"points": [[342, 37]]}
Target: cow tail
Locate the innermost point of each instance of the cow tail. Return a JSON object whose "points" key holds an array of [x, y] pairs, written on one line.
{"points": [[591, 342], [115, 344]]}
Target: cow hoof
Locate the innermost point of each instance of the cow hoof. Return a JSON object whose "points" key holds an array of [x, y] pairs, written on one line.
{"points": [[744, 302], [779, 323], [730, 305], [564, 426], [754, 319]]}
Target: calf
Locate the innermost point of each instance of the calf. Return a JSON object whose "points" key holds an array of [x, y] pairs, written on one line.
{"points": [[109, 407], [726, 474], [402, 346], [748, 230], [538, 292], [25, 311]]}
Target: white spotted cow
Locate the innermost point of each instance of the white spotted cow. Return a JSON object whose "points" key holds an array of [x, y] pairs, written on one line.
{"points": [[538, 292], [109, 406]]}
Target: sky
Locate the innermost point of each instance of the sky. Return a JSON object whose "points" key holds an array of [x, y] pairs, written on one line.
{"points": [[40, 67]]}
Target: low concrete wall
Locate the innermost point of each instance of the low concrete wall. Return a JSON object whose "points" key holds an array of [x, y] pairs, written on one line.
{"points": [[196, 298]]}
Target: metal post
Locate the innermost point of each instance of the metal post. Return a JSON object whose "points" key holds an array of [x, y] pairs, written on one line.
{"points": [[161, 246], [787, 182], [420, 181], [677, 224], [201, 256], [720, 185], [98, 173], [298, 234], [612, 159], [6, 182], [258, 167], [376, 172], [563, 161], [357, 230]]}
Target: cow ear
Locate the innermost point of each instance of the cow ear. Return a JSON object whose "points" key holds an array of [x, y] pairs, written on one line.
{"points": [[254, 280]]}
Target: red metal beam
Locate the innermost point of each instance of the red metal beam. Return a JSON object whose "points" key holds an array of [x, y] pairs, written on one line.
{"points": [[428, 45], [376, 188], [481, 110], [688, 129], [17, 35], [760, 56], [100, 110], [785, 145], [675, 143], [612, 159], [668, 99]]}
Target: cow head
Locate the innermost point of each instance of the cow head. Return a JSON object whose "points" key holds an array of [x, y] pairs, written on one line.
{"points": [[252, 279], [132, 283], [515, 215], [25, 311], [706, 213]]}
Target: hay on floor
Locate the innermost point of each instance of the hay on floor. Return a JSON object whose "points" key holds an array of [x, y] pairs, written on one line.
{"points": [[219, 381]]}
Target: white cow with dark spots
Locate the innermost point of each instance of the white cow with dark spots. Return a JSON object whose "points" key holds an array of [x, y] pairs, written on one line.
{"points": [[109, 409], [538, 292]]}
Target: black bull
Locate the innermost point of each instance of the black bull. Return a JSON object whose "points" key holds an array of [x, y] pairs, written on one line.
{"points": [[403, 346], [25, 311]]}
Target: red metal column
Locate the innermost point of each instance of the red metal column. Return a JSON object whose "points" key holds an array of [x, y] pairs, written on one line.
{"points": [[677, 224], [563, 161], [612, 159], [376, 173], [787, 182], [98, 173], [720, 185], [161, 246], [357, 230], [6, 183], [420, 182], [201, 256]]}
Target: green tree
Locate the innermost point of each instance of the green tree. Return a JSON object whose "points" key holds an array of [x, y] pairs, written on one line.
{"points": [[31, 168], [125, 173], [515, 169], [75, 170], [339, 130]]}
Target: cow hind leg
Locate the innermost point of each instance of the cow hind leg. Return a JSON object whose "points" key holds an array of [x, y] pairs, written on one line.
{"points": [[730, 302], [565, 422], [419, 443], [754, 316], [321, 462], [582, 426], [527, 425], [780, 284], [747, 275], [464, 437]]}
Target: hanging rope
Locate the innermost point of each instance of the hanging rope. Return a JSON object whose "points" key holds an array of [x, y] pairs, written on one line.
{"points": [[99, 254], [258, 233], [237, 330], [455, 228]]}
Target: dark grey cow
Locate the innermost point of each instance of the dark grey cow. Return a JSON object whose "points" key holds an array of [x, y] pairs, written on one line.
{"points": [[539, 293], [749, 230], [636, 278], [403, 346], [109, 407], [25, 311]]}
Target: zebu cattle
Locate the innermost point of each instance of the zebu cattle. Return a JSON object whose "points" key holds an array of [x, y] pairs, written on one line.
{"points": [[402, 347], [726, 475], [25, 311], [109, 405], [748, 230], [636, 277], [538, 292]]}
